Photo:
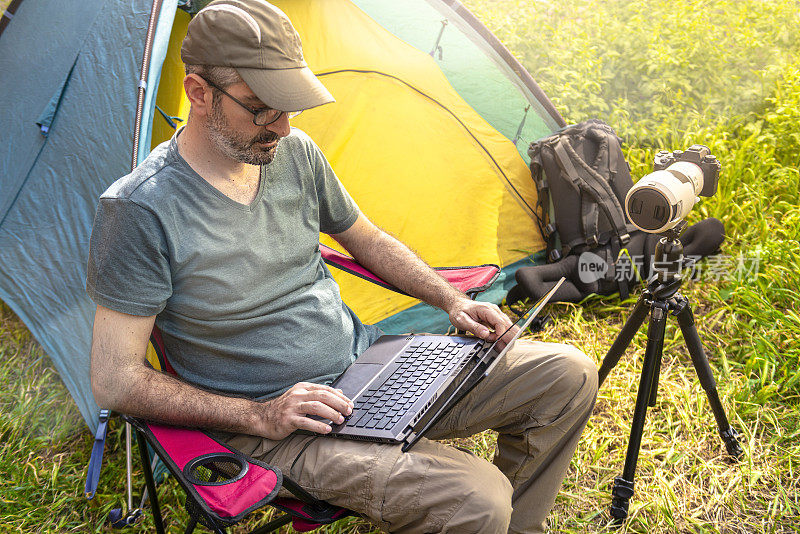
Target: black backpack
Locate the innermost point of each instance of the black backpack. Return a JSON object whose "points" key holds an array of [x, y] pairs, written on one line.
{"points": [[582, 178]]}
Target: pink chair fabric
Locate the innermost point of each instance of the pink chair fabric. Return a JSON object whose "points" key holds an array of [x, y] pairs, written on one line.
{"points": [[470, 279], [258, 485]]}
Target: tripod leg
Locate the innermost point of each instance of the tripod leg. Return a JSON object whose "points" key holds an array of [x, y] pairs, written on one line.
{"points": [[624, 337], [651, 401], [703, 369], [623, 486]]}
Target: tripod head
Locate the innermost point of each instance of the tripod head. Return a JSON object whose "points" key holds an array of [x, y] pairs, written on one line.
{"points": [[667, 263]]}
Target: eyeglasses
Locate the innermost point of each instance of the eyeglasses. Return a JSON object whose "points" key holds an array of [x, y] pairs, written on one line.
{"points": [[261, 117]]}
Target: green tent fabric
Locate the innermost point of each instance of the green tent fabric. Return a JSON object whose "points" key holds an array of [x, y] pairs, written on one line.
{"points": [[474, 63]]}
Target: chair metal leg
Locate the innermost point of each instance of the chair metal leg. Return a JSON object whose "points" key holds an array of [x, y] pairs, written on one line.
{"points": [[275, 524], [151, 483], [128, 465]]}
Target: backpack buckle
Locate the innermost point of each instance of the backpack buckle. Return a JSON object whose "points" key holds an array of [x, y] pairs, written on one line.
{"points": [[624, 239], [555, 255], [550, 228]]}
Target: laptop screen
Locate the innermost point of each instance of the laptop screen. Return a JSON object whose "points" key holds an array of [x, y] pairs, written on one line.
{"points": [[504, 343]]}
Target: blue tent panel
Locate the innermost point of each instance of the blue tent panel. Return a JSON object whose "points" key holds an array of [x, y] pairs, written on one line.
{"points": [[49, 186]]}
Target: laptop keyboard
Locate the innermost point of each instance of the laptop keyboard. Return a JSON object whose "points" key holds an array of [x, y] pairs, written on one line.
{"points": [[381, 405]]}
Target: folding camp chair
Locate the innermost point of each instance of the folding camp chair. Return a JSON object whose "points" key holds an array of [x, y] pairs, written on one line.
{"points": [[222, 485]]}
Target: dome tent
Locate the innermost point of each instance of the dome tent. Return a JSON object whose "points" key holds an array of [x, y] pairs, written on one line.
{"points": [[429, 134]]}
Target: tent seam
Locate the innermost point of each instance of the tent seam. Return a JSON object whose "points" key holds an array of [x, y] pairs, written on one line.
{"points": [[466, 128]]}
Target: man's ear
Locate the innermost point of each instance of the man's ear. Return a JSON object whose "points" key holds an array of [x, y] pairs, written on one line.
{"points": [[199, 94]]}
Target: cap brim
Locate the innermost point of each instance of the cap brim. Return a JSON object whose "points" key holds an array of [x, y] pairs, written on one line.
{"points": [[286, 89]]}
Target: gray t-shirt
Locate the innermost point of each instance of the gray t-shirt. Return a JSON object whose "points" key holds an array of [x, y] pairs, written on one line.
{"points": [[243, 298]]}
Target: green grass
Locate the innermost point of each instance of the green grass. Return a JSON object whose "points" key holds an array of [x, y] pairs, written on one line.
{"points": [[665, 75]]}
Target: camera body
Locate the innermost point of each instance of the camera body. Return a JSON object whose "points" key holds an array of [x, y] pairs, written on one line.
{"points": [[663, 198], [701, 156]]}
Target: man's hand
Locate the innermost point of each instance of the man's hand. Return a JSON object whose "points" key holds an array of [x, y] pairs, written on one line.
{"points": [[288, 412], [483, 319]]}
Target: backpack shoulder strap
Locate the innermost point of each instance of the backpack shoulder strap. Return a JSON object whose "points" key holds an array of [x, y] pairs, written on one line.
{"points": [[588, 181], [544, 204]]}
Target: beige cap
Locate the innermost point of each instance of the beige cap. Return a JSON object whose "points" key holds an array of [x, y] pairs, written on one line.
{"points": [[258, 40]]}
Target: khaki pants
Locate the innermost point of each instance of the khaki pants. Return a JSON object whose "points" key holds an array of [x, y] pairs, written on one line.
{"points": [[538, 398]]}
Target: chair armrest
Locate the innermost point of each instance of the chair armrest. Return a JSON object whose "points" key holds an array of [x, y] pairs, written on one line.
{"points": [[224, 483], [472, 280]]}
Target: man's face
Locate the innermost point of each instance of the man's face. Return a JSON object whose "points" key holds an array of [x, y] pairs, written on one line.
{"points": [[231, 128]]}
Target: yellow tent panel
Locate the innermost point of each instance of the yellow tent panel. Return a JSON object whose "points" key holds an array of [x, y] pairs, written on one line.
{"points": [[419, 161]]}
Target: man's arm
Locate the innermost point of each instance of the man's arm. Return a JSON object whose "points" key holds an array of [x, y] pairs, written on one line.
{"points": [[121, 381], [393, 261]]}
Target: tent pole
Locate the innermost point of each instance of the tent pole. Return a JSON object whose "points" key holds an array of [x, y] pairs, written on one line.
{"points": [[508, 57], [5, 18], [140, 93], [148, 50]]}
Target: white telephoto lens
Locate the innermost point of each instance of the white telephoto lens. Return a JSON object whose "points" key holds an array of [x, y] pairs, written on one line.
{"points": [[662, 199]]}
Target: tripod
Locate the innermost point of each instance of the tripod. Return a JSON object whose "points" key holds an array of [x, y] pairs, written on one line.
{"points": [[661, 298]]}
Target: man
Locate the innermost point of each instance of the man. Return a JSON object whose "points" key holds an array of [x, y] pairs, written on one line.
{"points": [[215, 237]]}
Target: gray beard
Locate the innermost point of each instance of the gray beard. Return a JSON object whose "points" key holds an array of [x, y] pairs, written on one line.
{"points": [[234, 146]]}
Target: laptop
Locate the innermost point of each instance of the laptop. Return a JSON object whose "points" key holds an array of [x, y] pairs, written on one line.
{"points": [[404, 384]]}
